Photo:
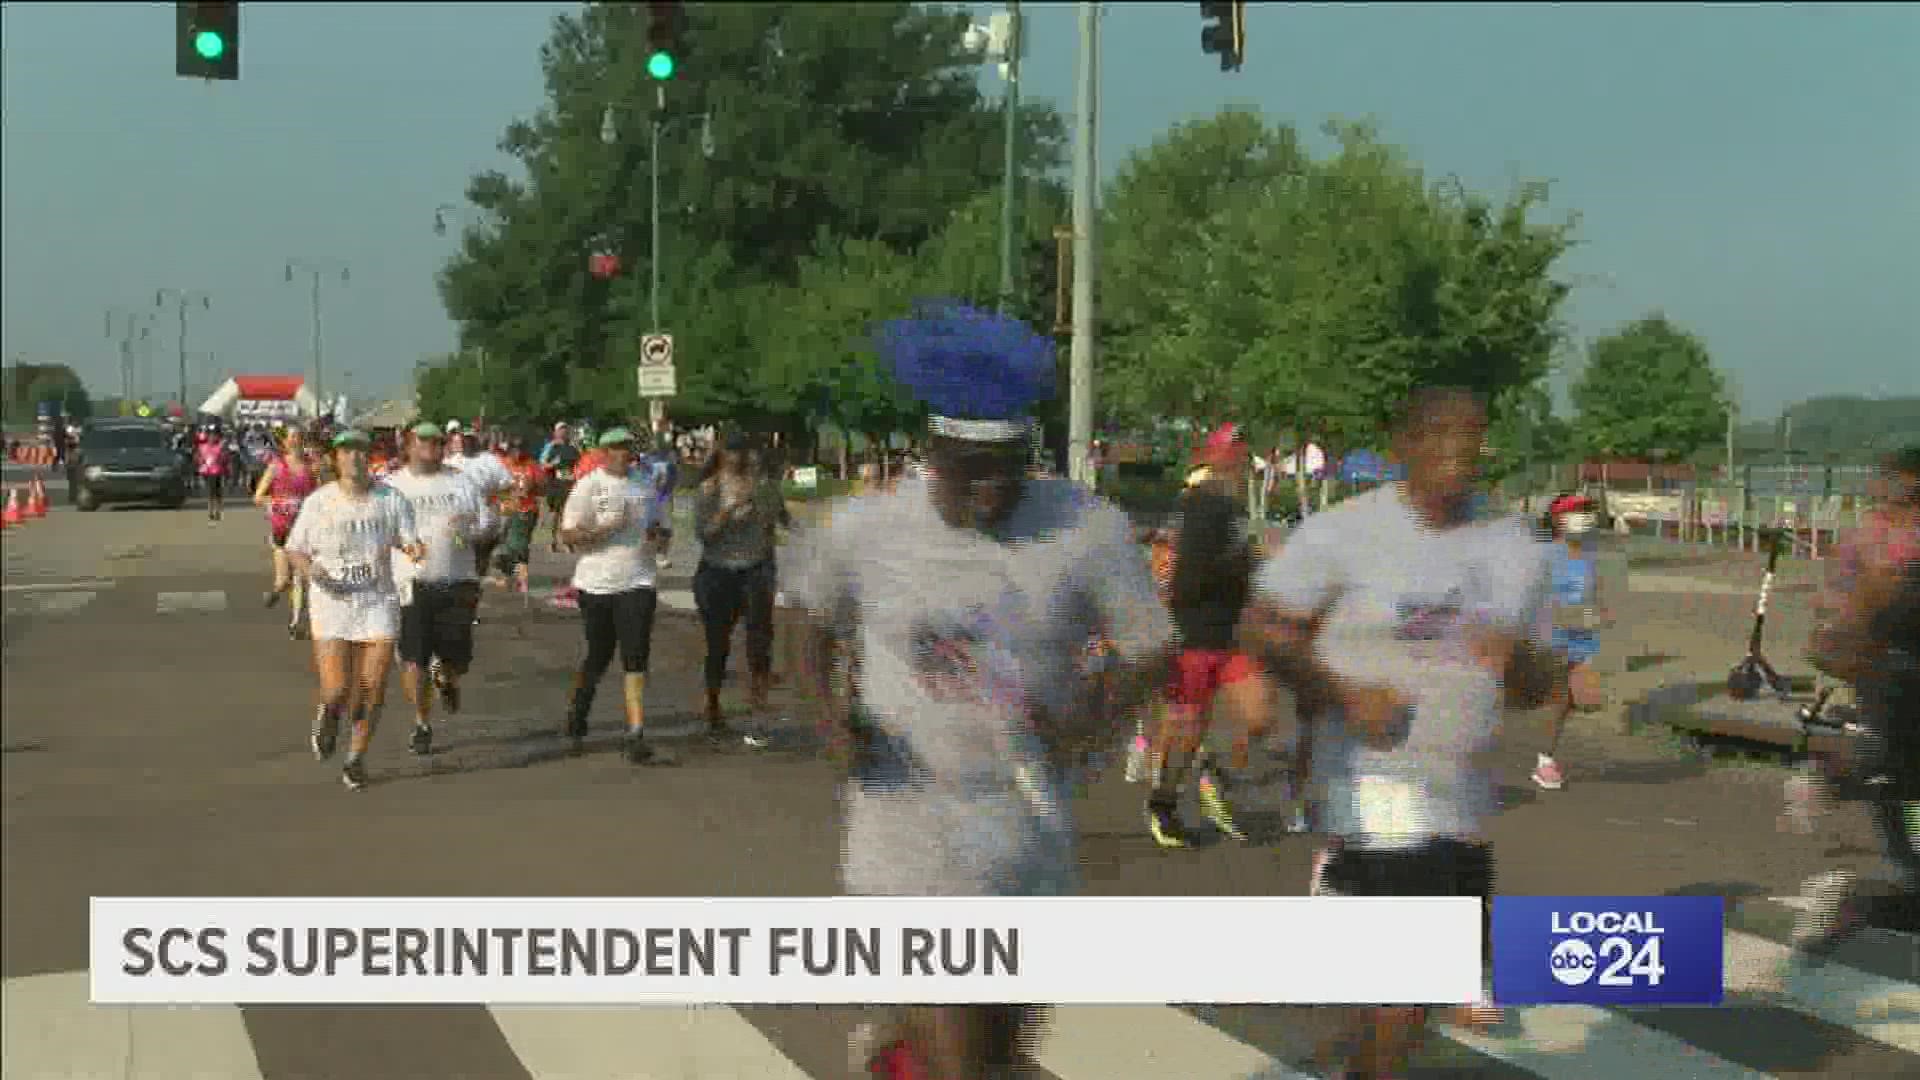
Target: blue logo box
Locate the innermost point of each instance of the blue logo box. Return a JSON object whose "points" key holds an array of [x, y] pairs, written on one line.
{"points": [[1609, 950]]}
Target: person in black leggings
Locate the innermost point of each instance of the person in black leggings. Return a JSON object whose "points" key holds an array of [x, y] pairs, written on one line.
{"points": [[614, 521], [736, 513]]}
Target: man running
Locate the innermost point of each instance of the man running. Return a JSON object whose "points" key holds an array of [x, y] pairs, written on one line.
{"points": [[437, 596], [559, 458], [1418, 621], [949, 648]]}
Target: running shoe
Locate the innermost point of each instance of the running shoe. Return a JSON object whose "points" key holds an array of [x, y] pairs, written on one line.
{"points": [[1163, 824], [420, 741], [322, 745], [326, 733], [1213, 806], [637, 750], [1827, 917], [354, 774], [1317, 878], [271, 597], [1547, 774]]}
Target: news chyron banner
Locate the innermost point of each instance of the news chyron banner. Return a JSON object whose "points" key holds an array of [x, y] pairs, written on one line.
{"points": [[820, 951], [1609, 950]]}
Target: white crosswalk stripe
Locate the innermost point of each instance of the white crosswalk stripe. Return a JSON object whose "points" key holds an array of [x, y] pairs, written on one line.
{"points": [[51, 1032]]}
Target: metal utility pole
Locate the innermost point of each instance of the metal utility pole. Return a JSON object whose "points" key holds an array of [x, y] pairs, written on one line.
{"points": [[1010, 167], [134, 326], [316, 269], [1085, 175], [184, 298]]}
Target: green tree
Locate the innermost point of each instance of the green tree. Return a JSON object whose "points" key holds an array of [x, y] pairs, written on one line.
{"points": [[29, 385], [1649, 390], [1294, 293], [859, 122]]}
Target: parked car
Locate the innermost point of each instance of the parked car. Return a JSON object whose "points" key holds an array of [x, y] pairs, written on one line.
{"points": [[126, 460]]}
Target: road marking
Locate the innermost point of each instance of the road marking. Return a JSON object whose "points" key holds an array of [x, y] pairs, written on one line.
{"points": [[51, 1029], [1565, 1042], [1677, 583], [1130, 1042], [678, 599], [58, 586], [662, 1043], [1840, 995], [174, 603]]}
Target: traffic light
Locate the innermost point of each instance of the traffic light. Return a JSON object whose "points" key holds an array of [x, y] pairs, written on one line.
{"points": [[1225, 34], [664, 21], [207, 40]]}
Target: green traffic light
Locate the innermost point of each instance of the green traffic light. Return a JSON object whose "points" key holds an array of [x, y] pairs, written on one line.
{"points": [[209, 45], [660, 65]]}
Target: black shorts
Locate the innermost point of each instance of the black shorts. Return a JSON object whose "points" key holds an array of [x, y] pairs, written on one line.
{"points": [[1439, 867], [439, 624], [214, 485], [621, 622]]}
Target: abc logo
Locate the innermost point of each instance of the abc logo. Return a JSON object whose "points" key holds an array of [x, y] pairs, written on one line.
{"points": [[1572, 961]]}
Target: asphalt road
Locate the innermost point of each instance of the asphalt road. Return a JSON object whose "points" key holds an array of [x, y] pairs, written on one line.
{"points": [[152, 728]]}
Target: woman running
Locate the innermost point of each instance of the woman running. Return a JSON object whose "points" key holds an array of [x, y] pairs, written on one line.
{"points": [[342, 543], [290, 477], [737, 514], [210, 461], [1576, 623]]}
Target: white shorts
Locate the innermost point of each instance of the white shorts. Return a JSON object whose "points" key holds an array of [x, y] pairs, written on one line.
{"points": [[368, 616]]}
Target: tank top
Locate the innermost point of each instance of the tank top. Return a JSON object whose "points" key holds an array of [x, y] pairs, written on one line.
{"points": [[288, 490]]}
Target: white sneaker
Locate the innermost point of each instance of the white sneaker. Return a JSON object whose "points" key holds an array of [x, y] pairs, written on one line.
{"points": [[1546, 773]]}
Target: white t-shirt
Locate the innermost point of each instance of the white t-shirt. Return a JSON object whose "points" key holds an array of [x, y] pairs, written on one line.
{"points": [[1403, 598], [625, 560], [960, 636], [437, 499], [350, 539], [485, 470]]}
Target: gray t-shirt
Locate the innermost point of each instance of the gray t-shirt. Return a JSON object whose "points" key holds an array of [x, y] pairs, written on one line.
{"points": [[961, 639], [1403, 596]]}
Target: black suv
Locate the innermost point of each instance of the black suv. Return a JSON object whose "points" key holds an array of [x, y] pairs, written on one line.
{"points": [[126, 460]]}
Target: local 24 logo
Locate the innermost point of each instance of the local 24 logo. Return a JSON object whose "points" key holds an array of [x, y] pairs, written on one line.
{"points": [[1619, 961]]}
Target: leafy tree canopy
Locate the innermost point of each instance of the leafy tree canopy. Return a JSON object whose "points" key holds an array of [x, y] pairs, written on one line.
{"points": [[1649, 391]]}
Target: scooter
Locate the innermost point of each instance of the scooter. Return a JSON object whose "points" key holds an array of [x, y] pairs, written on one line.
{"points": [[1753, 673]]}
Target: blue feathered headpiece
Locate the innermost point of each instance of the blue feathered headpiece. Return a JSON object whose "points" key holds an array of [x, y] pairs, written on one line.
{"points": [[968, 364]]}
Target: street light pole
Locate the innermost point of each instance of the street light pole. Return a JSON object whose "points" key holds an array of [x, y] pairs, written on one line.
{"points": [[184, 298], [1010, 167], [1080, 379], [315, 269], [134, 326]]}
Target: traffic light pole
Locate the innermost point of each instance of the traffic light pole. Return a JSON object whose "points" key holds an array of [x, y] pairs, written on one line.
{"points": [[1010, 169], [656, 407], [1085, 175]]}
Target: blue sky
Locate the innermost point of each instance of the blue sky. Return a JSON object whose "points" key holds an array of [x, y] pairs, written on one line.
{"points": [[1754, 171]]}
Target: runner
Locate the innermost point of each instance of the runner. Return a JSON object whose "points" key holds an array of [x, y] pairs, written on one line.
{"points": [[1412, 616], [559, 457], [1211, 567], [210, 461], [342, 543], [290, 478], [521, 508], [737, 512], [1869, 635], [612, 519], [1576, 620], [482, 468], [437, 596], [949, 649]]}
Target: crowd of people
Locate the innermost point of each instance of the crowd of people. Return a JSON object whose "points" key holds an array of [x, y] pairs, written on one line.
{"points": [[975, 631]]}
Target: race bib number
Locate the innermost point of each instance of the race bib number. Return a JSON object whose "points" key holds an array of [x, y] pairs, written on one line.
{"points": [[1384, 808], [354, 576]]}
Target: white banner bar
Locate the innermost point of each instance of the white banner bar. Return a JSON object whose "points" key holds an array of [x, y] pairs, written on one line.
{"points": [[852, 950]]}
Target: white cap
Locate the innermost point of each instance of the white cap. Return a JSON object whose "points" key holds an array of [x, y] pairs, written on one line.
{"points": [[451, 426]]}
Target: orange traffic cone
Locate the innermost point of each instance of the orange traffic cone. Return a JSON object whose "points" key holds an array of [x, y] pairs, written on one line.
{"points": [[12, 514], [37, 499]]}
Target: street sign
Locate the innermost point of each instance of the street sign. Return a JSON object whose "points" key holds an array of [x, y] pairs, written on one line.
{"points": [[656, 350], [657, 382]]}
